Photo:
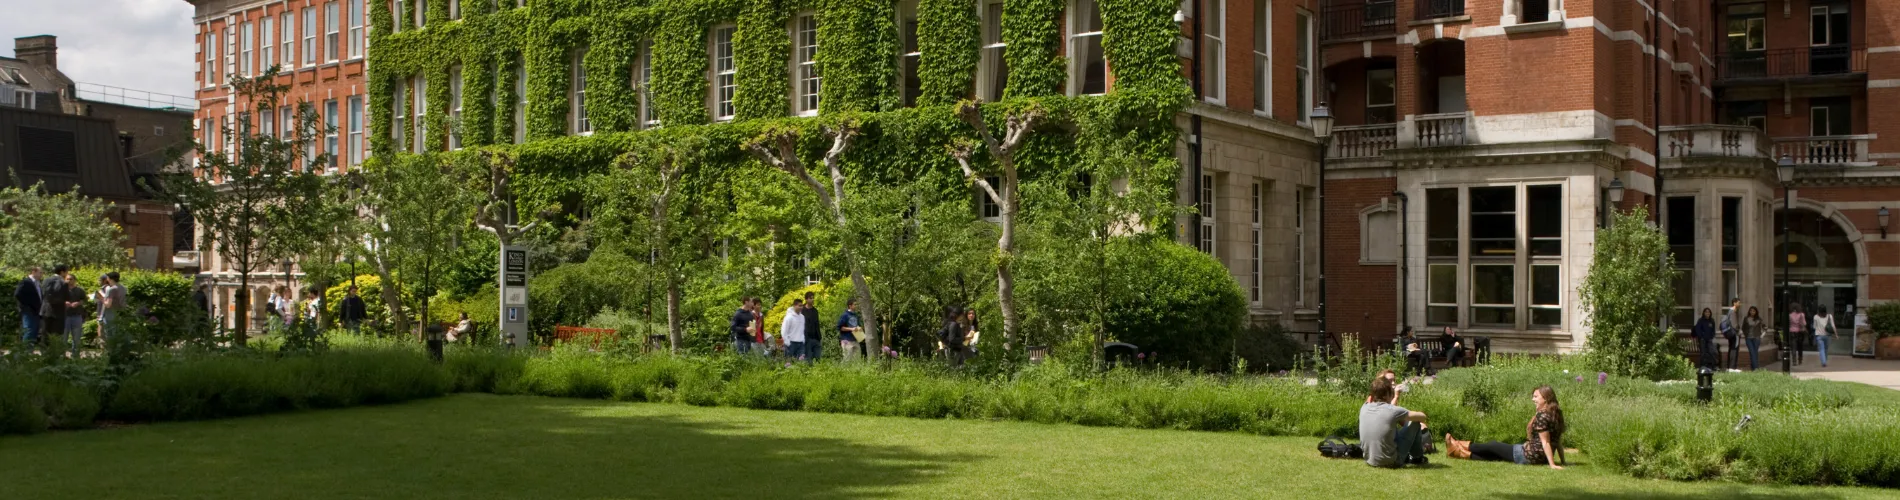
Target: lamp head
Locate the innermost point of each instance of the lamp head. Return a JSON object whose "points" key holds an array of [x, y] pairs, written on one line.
{"points": [[1322, 121], [1616, 191]]}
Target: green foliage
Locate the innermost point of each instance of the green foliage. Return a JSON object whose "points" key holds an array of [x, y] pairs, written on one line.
{"points": [[164, 296], [48, 229], [1183, 304], [948, 37], [229, 385], [370, 288], [1033, 30], [1625, 293], [1885, 318], [32, 402], [572, 294]]}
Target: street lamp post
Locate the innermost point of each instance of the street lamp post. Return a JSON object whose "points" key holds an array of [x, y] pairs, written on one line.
{"points": [[1323, 130], [1784, 170], [1616, 200]]}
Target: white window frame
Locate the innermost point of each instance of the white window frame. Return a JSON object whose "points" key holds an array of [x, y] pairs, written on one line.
{"points": [[1394, 98], [357, 152], [455, 107], [287, 48], [267, 38], [247, 49], [399, 123], [1254, 275], [992, 60], [267, 124], [909, 63], [332, 36], [985, 204], [230, 52], [1079, 40], [420, 93], [1304, 53], [1263, 58], [807, 83], [643, 79], [1457, 315], [577, 122], [1214, 53], [722, 73], [1821, 117], [356, 29], [289, 130], [208, 51], [1208, 206], [521, 100], [422, 13], [309, 36], [330, 129], [455, 9]]}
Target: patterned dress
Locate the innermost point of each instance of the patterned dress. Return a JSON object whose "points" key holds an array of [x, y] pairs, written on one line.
{"points": [[1534, 452]]}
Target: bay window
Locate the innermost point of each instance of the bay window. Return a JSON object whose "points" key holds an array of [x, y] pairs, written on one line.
{"points": [[1493, 256]]}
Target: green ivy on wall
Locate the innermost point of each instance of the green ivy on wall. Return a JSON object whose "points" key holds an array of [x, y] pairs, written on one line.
{"points": [[949, 39]]}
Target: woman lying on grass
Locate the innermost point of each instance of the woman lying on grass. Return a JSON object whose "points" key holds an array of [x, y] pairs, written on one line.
{"points": [[1545, 437]]}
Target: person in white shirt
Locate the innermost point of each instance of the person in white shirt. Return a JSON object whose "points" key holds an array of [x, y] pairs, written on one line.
{"points": [[792, 329], [1823, 332]]}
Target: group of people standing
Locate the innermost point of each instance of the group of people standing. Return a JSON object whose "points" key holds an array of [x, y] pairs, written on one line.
{"points": [[800, 334], [1749, 329], [55, 307]]}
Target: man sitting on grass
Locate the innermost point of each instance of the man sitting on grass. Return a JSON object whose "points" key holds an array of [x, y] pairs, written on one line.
{"points": [[1392, 436]]}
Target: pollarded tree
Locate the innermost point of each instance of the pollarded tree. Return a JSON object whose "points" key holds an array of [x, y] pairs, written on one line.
{"points": [[1627, 293], [1002, 165], [778, 147], [242, 198], [653, 185], [416, 208]]}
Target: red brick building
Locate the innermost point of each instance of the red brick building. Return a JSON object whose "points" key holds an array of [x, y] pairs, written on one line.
{"points": [[1477, 143], [319, 47]]}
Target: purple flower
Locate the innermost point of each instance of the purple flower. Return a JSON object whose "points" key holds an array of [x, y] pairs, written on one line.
{"points": [[1141, 355], [788, 365], [1602, 377], [1579, 378]]}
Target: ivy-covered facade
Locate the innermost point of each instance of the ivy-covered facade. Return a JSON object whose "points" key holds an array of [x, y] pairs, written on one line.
{"points": [[568, 86]]}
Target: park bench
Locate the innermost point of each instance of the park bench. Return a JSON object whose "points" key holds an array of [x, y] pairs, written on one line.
{"points": [[564, 334], [1477, 349]]}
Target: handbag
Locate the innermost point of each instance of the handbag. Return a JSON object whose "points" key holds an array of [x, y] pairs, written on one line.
{"points": [[1334, 447]]}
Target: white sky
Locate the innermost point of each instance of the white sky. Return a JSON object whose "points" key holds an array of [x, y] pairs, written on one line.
{"points": [[137, 44]]}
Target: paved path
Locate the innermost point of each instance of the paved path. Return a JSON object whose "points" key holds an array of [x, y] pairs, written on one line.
{"points": [[1847, 369]]}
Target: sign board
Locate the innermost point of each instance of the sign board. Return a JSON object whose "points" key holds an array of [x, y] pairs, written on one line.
{"points": [[514, 296]]}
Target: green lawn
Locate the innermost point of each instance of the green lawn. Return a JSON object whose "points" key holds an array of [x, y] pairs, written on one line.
{"points": [[481, 446]]}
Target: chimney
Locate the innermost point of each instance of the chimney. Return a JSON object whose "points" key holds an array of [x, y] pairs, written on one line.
{"points": [[38, 50]]}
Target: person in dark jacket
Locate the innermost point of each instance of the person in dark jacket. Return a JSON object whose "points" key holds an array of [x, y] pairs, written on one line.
{"points": [[1454, 347], [950, 337], [1705, 339], [741, 320], [27, 296], [75, 320], [814, 329], [53, 293], [353, 311], [1417, 360]]}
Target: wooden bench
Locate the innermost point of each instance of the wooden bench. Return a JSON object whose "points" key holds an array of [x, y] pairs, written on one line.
{"points": [[594, 336], [1477, 349]]}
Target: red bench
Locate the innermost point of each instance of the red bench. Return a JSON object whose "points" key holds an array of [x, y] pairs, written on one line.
{"points": [[593, 335]]}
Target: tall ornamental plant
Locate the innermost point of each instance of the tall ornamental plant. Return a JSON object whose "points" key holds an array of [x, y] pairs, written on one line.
{"points": [[1627, 294]]}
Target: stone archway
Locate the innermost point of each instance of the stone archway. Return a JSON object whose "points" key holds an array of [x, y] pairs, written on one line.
{"points": [[1831, 254]]}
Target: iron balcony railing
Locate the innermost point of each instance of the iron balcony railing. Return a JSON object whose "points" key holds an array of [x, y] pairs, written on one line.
{"points": [[1795, 62], [1435, 9], [1356, 18]]}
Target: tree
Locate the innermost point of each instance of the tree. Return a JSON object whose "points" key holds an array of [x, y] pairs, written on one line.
{"points": [[246, 200], [498, 214], [1627, 293], [1017, 126], [418, 207], [652, 180], [46, 229], [778, 147]]}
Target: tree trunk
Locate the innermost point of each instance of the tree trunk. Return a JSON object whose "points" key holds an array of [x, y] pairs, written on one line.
{"points": [[392, 300], [1006, 247], [673, 314], [243, 309]]}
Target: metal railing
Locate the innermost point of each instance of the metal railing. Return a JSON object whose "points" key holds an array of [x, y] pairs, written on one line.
{"points": [[1363, 141], [131, 97], [1434, 9], [1354, 18], [1794, 62], [1443, 129], [1830, 150]]}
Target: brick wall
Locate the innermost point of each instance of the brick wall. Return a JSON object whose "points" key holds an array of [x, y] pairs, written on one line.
{"points": [[1360, 298], [312, 83]]}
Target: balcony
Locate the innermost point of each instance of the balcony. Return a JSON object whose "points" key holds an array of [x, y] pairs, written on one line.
{"points": [[1439, 9], [1791, 63], [1837, 150], [1363, 141], [1438, 130], [1713, 140], [1347, 19]]}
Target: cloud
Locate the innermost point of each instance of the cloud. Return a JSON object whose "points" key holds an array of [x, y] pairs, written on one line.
{"points": [[136, 44]]}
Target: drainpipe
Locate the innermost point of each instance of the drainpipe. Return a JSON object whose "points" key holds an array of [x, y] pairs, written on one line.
{"points": [[1404, 236], [1655, 99], [1194, 120]]}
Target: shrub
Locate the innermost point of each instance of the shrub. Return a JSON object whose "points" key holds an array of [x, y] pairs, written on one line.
{"points": [[1626, 290], [192, 387], [1885, 318], [1185, 305], [171, 316], [32, 402]]}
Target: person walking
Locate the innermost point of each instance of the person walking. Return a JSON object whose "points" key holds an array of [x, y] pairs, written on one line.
{"points": [[814, 329], [53, 293], [1752, 330], [28, 297], [740, 326], [353, 310], [792, 330], [313, 308], [849, 328], [1704, 332], [1823, 332], [761, 341], [276, 308], [1731, 329], [1797, 327], [111, 309]]}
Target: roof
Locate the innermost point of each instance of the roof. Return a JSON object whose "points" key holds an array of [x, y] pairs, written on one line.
{"points": [[19, 73], [63, 151]]}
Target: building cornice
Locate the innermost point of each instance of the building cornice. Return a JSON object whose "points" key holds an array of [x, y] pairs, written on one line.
{"points": [[1270, 126], [1603, 153]]}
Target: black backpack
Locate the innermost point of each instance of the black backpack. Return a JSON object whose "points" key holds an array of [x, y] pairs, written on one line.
{"points": [[1334, 447]]}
